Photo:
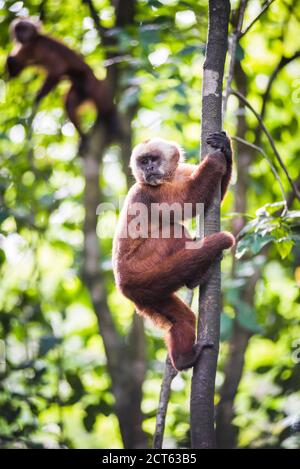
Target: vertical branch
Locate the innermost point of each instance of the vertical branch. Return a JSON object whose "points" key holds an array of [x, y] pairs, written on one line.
{"points": [[126, 360], [203, 381], [169, 375]]}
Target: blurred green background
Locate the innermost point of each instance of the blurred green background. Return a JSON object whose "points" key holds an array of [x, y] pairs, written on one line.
{"points": [[56, 389]]}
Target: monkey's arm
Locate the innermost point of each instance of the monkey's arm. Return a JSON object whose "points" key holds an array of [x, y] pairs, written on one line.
{"points": [[213, 169], [48, 85], [201, 186], [202, 180], [216, 167], [184, 170]]}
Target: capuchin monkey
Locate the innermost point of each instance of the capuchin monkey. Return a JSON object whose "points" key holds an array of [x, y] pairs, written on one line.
{"points": [[149, 270], [32, 48]]}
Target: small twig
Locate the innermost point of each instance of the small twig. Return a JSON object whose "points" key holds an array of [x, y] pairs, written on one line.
{"points": [[232, 51], [256, 18], [282, 63], [93, 12], [117, 60], [169, 375], [256, 147], [292, 196], [269, 137]]}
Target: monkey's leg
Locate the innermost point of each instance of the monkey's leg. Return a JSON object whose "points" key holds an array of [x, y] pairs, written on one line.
{"points": [[180, 338], [178, 269], [172, 313], [72, 102]]}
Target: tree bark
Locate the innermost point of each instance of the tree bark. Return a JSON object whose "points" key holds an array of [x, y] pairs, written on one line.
{"points": [[203, 381]]}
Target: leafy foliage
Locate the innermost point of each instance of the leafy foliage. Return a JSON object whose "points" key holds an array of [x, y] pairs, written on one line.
{"points": [[55, 390]]}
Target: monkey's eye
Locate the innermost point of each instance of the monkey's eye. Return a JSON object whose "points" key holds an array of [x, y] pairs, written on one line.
{"points": [[144, 161]]}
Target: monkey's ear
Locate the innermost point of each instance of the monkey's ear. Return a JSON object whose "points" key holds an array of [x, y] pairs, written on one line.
{"points": [[24, 30], [179, 152]]}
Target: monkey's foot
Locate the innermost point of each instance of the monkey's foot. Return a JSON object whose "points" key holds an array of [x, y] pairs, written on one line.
{"points": [[185, 361]]}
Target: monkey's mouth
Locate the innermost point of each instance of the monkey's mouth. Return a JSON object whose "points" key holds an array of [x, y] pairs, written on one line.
{"points": [[153, 179]]}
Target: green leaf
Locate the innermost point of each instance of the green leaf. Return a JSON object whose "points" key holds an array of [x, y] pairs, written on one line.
{"points": [[273, 208], [284, 247], [259, 242], [252, 243]]}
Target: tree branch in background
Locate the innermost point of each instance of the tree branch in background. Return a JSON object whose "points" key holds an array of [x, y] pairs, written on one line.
{"points": [[292, 195], [274, 171], [94, 14], [225, 430], [269, 137], [238, 343], [203, 381], [282, 63], [268, 3], [125, 359], [233, 42], [126, 362], [124, 16]]}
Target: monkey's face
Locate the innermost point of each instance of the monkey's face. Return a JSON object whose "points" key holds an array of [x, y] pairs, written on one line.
{"points": [[150, 167], [155, 161]]}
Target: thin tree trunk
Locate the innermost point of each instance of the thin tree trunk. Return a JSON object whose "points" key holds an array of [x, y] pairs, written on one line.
{"points": [[203, 381], [125, 360]]}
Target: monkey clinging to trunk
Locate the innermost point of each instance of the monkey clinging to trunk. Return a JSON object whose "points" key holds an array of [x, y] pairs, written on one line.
{"points": [[60, 62], [150, 263]]}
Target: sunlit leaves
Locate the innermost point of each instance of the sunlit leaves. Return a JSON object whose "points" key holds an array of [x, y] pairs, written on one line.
{"points": [[268, 226]]}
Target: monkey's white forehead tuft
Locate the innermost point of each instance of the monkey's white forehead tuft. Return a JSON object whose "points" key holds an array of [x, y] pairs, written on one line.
{"points": [[166, 147]]}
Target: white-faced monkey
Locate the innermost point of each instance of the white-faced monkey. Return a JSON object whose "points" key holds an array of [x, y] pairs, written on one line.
{"points": [[150, 269]]}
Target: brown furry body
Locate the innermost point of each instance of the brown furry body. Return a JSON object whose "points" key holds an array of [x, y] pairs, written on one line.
{"points": [[150, 270]]}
